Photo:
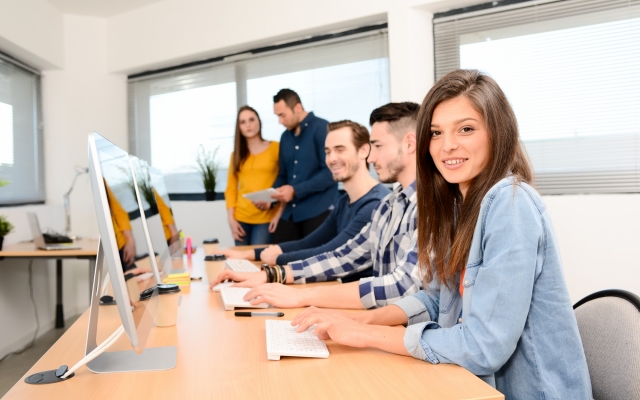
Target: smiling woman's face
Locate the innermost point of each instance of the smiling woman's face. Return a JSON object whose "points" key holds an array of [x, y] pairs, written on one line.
{"points": [[459, 142]]}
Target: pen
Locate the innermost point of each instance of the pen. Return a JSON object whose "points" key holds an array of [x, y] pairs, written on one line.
{"points": [[258, 314]]}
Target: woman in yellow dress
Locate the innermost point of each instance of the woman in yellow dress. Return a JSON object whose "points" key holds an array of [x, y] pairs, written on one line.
{"points": [[253, 167]]}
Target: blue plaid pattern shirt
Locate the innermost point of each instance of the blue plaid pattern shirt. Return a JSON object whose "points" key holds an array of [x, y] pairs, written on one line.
{"points": [[388, 244]]}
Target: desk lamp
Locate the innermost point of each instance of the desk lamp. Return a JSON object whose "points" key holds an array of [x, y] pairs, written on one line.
{"points": [[67, 229]]}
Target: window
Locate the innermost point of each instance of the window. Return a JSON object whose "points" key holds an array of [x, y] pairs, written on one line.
{"points": [[21, 161], [172, 113], [570, 70]]}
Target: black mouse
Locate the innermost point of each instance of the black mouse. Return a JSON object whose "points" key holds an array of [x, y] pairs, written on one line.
{"points": [[107, 301]]}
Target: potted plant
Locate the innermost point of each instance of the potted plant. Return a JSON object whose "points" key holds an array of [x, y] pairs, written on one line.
{"points": [[5, 228], [208, 169]]}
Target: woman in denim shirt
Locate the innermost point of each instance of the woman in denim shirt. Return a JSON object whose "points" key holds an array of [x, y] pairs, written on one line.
{"points": [[495, 300]]}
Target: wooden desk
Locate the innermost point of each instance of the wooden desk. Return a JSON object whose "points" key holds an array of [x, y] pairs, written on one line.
{"points": [[224, 357], [88, 251]]}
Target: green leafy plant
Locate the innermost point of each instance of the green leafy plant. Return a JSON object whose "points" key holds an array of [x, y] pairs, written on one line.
{"points": [[208, 168], [5, 226]]}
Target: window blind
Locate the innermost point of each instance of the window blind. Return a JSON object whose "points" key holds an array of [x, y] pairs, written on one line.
{"points": [[570, 70], [21, 142], [171, 114]]}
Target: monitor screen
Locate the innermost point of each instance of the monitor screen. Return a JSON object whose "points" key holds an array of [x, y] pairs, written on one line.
{"points": [[171, 231], [160, 225], [117, 208]]}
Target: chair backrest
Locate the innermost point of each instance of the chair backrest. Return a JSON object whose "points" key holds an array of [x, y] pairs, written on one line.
{"points": [[609, 324]]}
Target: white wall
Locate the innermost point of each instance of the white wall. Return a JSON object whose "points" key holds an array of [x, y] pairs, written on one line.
{"points": [[598, 237], [84, 62], [81, 98], [202, 220], [78, 99], [32, 32]]}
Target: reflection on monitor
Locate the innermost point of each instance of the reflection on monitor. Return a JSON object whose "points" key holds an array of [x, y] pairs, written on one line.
{"points": [[171, 232], [156, 212]]}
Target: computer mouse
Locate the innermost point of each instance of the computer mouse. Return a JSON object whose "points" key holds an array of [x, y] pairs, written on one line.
{"points": [[107, 301]]}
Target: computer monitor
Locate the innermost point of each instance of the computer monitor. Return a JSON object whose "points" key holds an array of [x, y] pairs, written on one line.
{"points": [[110, 172]]}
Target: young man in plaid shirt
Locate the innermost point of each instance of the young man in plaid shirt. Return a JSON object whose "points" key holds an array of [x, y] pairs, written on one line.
{"points": [[387, 245]]}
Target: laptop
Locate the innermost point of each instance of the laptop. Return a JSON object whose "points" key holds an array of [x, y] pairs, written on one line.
{"points": [[39, 240]]}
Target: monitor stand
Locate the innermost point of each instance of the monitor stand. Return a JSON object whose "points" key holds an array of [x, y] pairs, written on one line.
{"points": [[151, 359]]}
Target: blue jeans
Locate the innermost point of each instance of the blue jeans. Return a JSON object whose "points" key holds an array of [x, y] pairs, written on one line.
{"points": [[255, 234]]}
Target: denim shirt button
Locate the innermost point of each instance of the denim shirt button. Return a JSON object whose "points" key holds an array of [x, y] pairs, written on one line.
{"points": [[466, 282], [297, 147], [460, 320], [294, 205]]}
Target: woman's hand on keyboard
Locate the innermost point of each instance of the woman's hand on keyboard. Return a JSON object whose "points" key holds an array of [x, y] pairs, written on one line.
{"points": [[326, 311], [242, 279], [331, 324], [276, 294]]}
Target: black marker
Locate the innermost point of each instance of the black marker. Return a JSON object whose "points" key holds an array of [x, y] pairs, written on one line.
{"points": [[258, 314]]}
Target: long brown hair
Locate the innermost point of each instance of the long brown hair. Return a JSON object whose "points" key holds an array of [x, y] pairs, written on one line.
{"points": [[446, 221], [241, 149]]}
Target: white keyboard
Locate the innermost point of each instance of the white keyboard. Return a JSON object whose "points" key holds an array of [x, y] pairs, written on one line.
{"points": [[241, 265], [232, 298], [283, 340]]}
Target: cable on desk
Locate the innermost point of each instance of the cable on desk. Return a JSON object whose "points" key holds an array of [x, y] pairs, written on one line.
{"points": [[97, 351], [35, 311]]}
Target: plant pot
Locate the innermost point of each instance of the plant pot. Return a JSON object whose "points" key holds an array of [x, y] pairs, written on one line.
{"points": [[209, 196], [1, 240]]}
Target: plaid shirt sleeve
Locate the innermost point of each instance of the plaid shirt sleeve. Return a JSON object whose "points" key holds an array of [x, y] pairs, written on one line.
{"points": [[403, 281], [353, 256]]}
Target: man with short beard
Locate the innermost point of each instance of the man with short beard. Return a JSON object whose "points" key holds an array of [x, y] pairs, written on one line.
{"points": [[346, 150], [387, 244]]}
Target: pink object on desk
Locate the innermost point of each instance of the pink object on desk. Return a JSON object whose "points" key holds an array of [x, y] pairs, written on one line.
{"points": [[188, 245]]}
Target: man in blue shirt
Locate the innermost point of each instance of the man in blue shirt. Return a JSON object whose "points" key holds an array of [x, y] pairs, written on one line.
{"points": [[304, 182], [347, 148]]}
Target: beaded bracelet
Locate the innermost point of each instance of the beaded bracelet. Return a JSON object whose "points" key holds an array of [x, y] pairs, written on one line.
{"points": [[283, 272], [278, 277]]}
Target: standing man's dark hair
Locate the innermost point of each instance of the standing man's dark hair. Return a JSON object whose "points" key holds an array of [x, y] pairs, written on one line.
{"points": [[289, 97], [305, 186]]}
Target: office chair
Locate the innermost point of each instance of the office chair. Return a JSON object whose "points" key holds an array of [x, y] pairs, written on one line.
{"points": [[609, 325]]}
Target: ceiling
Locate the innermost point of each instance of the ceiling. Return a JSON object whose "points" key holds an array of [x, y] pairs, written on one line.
{"points": [[99, 8]]}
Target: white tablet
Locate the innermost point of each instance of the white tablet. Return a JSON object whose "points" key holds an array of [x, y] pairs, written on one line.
{"points": [[261, 195]]}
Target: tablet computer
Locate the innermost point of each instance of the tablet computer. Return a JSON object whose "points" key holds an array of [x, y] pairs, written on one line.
{"points": [[261, 195]]}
